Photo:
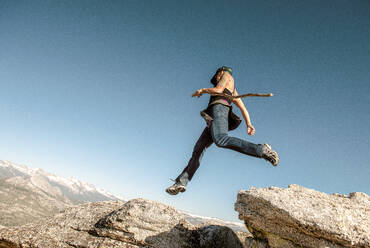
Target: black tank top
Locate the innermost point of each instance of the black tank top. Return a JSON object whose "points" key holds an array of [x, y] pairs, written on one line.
{"points": [[221, 99]]}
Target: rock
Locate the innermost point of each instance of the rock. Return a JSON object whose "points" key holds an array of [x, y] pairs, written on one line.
{"points": [[142, 222], [138, 223], [70, 228], [277, 218], [301, 217]]}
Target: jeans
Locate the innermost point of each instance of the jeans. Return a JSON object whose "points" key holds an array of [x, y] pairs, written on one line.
{"points": [[217, 133]]}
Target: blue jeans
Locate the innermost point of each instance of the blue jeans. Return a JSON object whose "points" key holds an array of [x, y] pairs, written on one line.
{"points": [[217, 133]]}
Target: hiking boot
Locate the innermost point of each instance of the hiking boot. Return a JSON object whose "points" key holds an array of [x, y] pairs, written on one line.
{"points": [[270, 155], [176, 188], [179, 185]]}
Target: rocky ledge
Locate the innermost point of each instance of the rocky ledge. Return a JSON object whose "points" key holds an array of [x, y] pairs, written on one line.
{"points": [[137, 223], [276, 218], [301, 217]]}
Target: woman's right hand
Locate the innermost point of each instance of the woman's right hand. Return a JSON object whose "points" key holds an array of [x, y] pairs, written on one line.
{"points": [[197, 93]]}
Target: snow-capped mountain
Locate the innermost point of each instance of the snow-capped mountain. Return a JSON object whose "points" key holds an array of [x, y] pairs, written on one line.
{"points": [[28, 194], [77, 191]]}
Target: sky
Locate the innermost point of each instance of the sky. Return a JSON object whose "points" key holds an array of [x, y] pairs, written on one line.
{"points": [[101, 91]]}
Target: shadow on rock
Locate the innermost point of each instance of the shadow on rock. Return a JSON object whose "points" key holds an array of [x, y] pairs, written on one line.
{"points": [[211, 236]]}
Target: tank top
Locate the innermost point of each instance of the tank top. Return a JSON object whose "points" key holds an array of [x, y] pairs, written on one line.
{"points": [[221, 99]]}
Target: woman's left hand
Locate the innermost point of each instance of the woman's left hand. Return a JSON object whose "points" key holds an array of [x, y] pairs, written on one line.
{"points": [[197, 93], [250, 130]]}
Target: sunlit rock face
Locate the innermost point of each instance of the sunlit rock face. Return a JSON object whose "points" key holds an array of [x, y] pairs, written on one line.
{"points": [[136, 223], [301, 217]]}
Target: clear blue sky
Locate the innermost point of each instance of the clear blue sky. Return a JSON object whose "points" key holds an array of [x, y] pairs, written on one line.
{"points": [[101, 91]]}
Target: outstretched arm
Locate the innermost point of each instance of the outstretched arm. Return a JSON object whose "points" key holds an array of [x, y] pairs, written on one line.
{"points": [[239, 103], [221, 85]]}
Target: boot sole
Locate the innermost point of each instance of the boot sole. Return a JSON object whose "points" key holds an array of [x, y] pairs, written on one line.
{"points": [[175, 192]]}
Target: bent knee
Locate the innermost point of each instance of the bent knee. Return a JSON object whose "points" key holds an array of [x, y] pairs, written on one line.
{"points": [[220, 140]]}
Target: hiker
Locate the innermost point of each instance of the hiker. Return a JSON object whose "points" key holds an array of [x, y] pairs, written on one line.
{"points": [[220, 119]]}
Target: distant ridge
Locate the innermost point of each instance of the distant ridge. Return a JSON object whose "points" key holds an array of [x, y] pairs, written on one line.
{"points": [[79, 191], [28, 194]]}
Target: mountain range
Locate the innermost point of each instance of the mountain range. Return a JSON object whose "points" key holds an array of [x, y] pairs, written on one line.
{"points": [[28, 194]]}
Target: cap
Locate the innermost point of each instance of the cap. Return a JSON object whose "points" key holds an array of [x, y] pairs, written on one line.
{"points": [[225, 68]]}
